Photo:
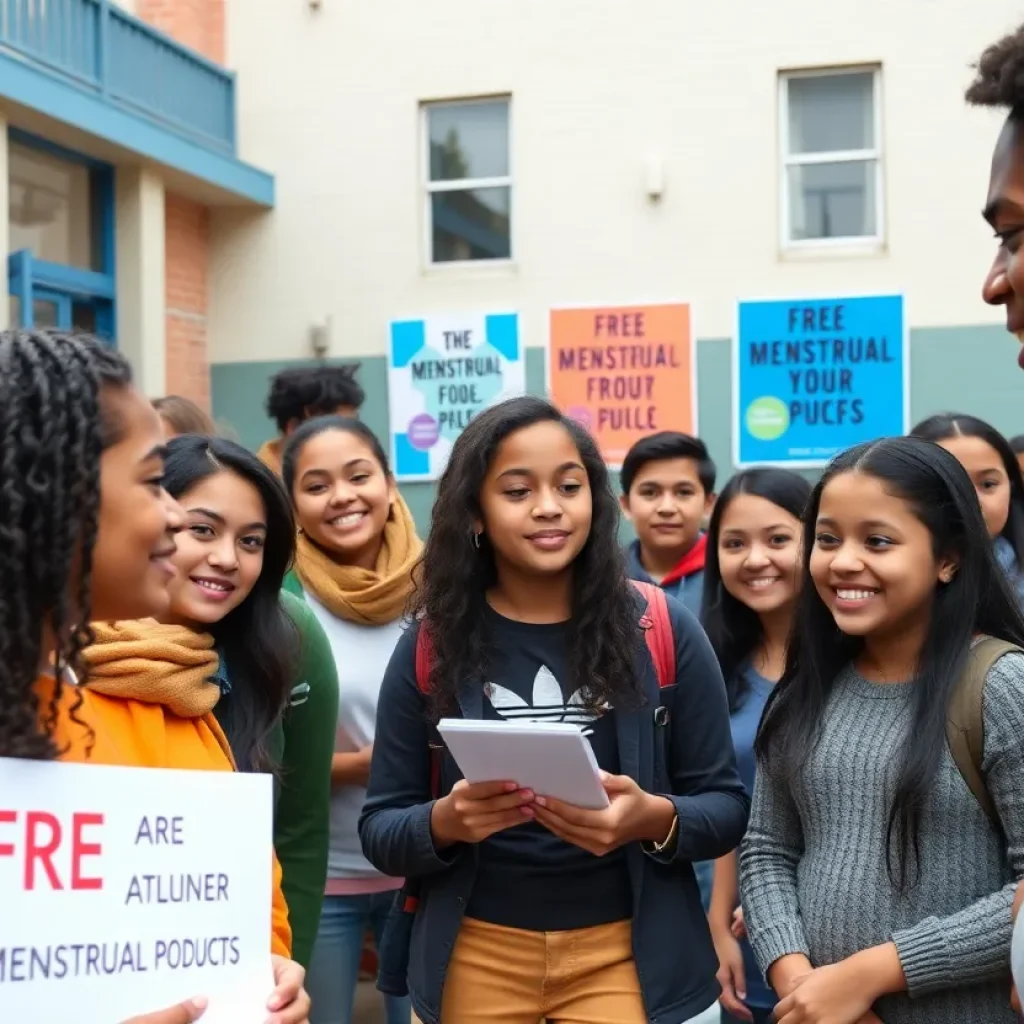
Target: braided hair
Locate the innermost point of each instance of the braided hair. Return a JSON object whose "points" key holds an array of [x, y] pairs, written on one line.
{"points": [[53, 431]]}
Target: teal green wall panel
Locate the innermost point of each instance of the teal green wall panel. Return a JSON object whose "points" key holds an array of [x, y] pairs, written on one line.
{"points": [[964, 369]]}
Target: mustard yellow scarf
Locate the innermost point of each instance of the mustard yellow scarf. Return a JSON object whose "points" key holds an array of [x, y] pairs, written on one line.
{"points": [[154, 663], [364, 596], [270, 455]]}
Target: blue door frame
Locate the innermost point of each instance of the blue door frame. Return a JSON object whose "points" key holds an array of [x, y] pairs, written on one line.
{"points": [[29, 278]]}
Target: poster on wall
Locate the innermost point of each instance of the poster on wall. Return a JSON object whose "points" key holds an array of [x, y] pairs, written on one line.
{"points": [[624, 372], [812, 377], [442, 371]]}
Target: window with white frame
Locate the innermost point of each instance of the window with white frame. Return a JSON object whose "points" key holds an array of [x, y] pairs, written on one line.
{"points": [[832, 157], [469, 181]]}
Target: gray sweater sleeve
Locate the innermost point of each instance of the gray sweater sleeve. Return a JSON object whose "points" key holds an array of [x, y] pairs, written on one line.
{"points": [[973, 945], [769, 857]]}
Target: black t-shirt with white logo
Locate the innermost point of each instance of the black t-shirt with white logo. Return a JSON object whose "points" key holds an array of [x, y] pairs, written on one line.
{"points": [[528, 878]]}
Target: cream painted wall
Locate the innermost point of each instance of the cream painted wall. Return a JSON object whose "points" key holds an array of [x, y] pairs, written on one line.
{"points": [[596, 86]]}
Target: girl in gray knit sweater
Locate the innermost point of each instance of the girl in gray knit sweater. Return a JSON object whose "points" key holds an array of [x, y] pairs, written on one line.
{"points": [[874, 885]]}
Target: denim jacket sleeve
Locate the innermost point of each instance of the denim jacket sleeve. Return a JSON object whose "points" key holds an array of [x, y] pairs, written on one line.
{"points": [[710, 798], [394, 828]]}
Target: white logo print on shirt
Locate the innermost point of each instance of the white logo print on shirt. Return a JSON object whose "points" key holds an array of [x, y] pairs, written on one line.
{"points": [[547, 705]]}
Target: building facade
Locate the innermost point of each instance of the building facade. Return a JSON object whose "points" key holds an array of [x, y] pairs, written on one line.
{"points": [[522, 155], [118, 143], [366, 162]]}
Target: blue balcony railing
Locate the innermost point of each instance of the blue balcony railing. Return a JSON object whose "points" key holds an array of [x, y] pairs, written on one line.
{"points": [[106, 50]]}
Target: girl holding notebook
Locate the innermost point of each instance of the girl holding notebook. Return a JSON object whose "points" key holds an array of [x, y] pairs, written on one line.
{"points": [[529, 908]]}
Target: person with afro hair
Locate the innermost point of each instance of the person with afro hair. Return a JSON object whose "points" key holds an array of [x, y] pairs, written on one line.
{"points": [[302, 393], [999, 85]]}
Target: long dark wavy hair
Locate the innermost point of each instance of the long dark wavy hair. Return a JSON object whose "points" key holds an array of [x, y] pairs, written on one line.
{"points": [[977, 600], [53, 429], [604, 633], [948, 425], [734, 629], [257, 640]]}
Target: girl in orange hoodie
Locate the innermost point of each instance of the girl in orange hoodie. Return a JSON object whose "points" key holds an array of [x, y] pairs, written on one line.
{"points": [[86, 531]]}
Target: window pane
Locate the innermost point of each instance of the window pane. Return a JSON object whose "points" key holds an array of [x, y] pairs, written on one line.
{"points": [[471, 224], [468, 140], [831, 112], [833, 200], [51, 209]]}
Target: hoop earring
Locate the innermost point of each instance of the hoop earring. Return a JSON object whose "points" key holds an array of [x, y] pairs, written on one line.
{"points": [[476, 541]]}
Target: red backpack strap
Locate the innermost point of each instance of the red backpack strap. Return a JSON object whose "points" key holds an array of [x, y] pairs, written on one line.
{"points": [[424, 663], [657, 626]]}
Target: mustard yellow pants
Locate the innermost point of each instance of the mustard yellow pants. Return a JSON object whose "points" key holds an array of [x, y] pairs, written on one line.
{"points": [[502, 975]]}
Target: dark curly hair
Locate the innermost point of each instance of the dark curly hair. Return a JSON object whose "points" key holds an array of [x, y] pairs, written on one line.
{"points": [[604, 634], [53, 429], [302, 392], [999, 81], [258, 641]]}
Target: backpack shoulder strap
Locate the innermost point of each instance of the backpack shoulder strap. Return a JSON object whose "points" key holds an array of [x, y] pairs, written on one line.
{"points": [[657, 627], [424, 659], [965, 722], [424, 663]]}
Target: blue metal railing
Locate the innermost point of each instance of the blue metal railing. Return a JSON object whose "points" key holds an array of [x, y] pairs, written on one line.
{"points": [[106, 50]]}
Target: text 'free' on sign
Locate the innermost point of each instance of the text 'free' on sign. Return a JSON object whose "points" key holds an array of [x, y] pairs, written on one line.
{"points": [[126, 890]]}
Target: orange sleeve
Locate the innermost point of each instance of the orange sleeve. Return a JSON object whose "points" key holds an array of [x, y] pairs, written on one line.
{"points": [[281, 930]]}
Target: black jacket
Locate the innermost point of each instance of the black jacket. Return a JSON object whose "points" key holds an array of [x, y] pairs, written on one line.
{"points": [[689, 759]]}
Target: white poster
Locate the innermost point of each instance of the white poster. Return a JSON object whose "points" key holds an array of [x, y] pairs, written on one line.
{"points": [[127, 890], [442, 371]]}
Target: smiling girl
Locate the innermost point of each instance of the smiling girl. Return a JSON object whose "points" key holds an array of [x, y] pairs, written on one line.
{"points": [[276, 672], [751, 582], [528, 907], [870, 874], [354, 562], [88, 534], [993, 468]]}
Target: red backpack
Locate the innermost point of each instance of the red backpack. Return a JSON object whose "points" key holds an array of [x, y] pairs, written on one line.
{"points": [[655, 623]]}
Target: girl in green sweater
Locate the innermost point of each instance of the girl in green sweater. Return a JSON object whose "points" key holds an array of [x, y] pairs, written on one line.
{"points": [[280, 690]]}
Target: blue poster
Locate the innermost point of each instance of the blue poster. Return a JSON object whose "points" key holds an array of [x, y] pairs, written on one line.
{"points": [[812, 377]]}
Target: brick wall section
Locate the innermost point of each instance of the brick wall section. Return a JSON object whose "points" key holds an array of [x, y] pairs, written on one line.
{"points": [[198, 24], [195, 23], [187, 247]]}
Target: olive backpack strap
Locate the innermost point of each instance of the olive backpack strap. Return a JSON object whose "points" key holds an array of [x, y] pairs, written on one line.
{"points": [[965, 721], [657, 626]]}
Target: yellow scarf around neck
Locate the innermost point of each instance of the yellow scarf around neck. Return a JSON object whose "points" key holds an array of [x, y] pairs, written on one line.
{"points": [[270, 455], [364, 596], [156, 664]]}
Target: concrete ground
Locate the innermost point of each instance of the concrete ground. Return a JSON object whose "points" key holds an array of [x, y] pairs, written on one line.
{"points": [[369, 1010]]}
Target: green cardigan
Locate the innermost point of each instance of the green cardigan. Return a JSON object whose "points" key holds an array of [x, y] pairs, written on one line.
{"points": [[302, 745]]}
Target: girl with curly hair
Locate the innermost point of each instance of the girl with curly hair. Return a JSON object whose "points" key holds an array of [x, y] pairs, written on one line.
{"points": [[86, 535], [529, 907]]}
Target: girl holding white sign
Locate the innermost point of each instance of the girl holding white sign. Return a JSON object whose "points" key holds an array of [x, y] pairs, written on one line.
{"points": [[87, 533], [279, 688]]}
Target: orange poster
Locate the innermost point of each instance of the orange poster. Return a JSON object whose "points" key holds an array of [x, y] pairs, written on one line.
{"points": [[624, 372]]}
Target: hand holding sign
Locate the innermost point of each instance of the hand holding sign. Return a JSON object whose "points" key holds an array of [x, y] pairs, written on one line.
{"points": [[183, 1013]]}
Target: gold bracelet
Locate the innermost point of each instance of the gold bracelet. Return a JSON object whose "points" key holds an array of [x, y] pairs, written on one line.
{"points": [[662, 846]]}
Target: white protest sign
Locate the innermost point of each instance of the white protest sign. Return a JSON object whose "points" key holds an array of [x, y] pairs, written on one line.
{"points": [[127, 890]]}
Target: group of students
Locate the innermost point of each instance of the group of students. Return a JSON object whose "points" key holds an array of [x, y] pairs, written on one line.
{"points": [[831, 733]]}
